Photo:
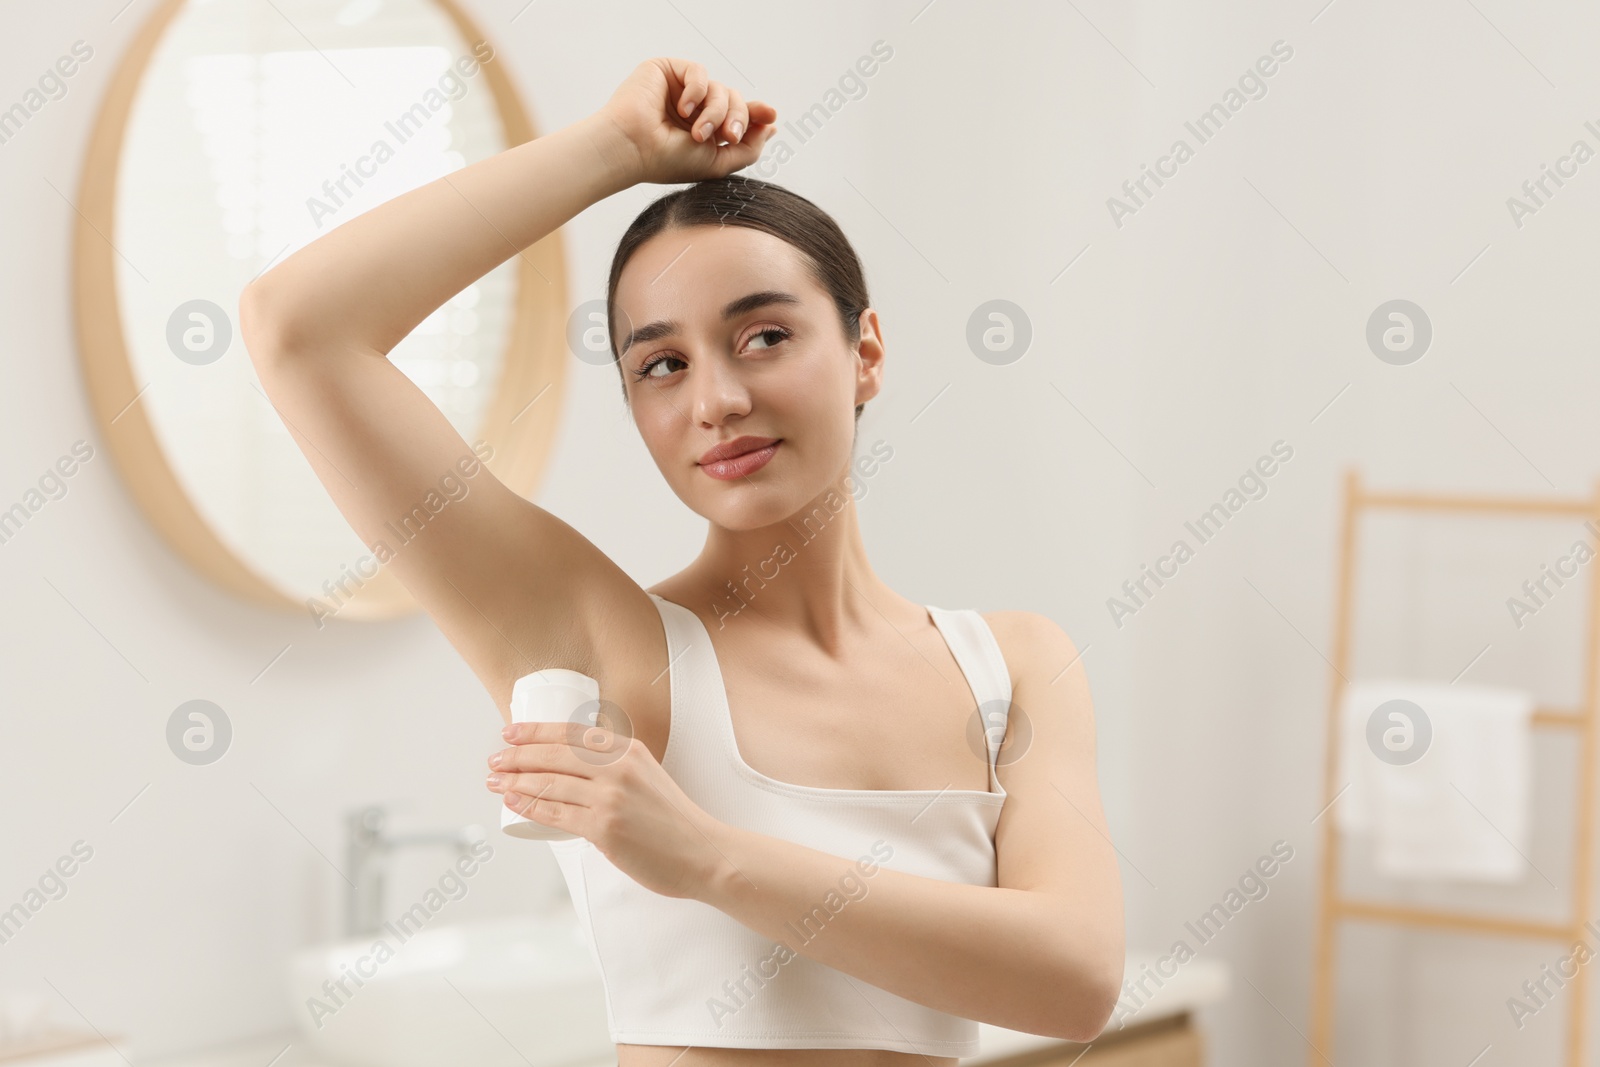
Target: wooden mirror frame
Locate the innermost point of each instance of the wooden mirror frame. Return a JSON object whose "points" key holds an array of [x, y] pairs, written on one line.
{"points": [[534, 362]]}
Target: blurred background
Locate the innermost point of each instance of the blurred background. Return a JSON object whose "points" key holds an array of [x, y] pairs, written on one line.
{"points": [[1149, 273]]}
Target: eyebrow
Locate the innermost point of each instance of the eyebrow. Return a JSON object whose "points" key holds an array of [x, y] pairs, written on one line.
{"points": [[743, 305]]}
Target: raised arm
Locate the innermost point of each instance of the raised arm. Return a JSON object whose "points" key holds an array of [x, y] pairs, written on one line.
{"points": [[512, 587]]}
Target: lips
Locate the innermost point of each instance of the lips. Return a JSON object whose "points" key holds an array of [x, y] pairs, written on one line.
{"points": [[737, 447], [739, 457]]}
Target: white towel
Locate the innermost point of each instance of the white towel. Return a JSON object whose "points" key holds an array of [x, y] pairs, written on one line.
{"points": [[1460, 810]]}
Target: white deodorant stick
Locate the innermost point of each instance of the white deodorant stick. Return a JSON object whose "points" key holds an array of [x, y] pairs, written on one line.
{"points": [[552, 695]]}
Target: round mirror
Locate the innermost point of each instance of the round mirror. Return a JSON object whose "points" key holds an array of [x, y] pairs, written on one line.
{"points": [[234, 133]]}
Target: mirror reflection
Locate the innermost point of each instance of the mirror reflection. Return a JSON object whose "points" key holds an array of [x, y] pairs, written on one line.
{"points": [[244, 143]]}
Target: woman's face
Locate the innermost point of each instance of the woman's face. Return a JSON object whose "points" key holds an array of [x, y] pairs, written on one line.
{"points": [[724, 334]]}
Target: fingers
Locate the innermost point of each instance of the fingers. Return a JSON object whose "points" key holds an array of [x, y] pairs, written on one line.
{"points": [[549, 811], [529, 733], [718, 114], [549, 746], [733, 157], [695, 83], [522, 789], [738, 120], [722, 113], [713, 114], [557, 756], [744, 147]]}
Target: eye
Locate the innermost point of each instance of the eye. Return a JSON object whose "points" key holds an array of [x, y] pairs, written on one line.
{"points": [[775, 334], [654, 361], [781, 333]]}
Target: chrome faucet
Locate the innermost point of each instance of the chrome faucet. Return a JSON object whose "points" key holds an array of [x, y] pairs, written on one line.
{"points": [[368, 845]]}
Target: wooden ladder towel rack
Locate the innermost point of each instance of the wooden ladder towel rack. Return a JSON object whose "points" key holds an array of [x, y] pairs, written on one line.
{"points": [[1333, 906]]}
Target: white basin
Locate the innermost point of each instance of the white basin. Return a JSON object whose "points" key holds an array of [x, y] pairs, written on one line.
{"points": [[515, 992]]}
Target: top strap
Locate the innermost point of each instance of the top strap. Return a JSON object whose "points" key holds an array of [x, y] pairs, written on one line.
{"points": [[978, 654], [699, 730], [694, 693]]}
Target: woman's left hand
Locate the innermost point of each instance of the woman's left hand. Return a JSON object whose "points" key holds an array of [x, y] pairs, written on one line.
{"points": [[607, 787]]}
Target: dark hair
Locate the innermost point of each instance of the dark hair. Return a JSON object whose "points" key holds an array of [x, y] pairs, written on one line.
{"points": [[740, 201]]}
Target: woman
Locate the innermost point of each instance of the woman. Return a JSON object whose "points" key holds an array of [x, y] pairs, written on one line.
{"points": [[888, 874]]}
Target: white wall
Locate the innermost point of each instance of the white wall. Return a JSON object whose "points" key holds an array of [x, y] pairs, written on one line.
{"points": [[1223, 316]]}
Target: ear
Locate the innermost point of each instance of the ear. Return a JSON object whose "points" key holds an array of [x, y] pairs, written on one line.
{"points": [[869, 357]]}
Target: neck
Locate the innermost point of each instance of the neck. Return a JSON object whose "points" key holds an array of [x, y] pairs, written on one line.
{"points": [[808, 573]]}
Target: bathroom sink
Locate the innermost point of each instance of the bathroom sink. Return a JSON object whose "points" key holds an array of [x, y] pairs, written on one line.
{"points": [[514, 992]]}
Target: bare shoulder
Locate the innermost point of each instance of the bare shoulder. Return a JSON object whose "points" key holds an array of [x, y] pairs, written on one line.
{"points": [[1035, 647]]}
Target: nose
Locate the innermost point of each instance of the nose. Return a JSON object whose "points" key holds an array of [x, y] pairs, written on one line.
{"points": [[718, 392]]}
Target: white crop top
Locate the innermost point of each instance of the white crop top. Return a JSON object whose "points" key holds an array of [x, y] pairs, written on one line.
{"points": [[680, 972]]}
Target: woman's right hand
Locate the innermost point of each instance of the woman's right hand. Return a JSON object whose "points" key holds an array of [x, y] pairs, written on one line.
{"points": [[663, 112]]}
